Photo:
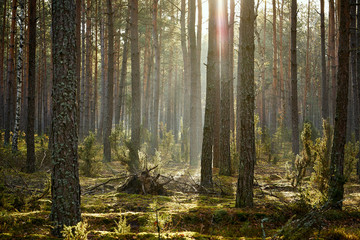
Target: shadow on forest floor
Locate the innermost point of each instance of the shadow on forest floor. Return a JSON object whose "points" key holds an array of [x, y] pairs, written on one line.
{"points": [[25, 207]]}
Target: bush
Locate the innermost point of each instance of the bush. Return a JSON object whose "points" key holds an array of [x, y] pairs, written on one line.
{"points": [[87, 153], [78, 232]]}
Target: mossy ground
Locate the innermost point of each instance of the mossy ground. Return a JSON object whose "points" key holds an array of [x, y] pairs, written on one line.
{"points": [[181, 215]]}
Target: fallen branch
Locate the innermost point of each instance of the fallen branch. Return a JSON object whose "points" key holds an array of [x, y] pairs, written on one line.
{"points": [[89, 190]]}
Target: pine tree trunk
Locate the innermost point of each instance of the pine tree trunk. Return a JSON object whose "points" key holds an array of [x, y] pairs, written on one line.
{"points": [[353, 61], [324, 81], [294, 93], [185, 54], [225, 161], [102, 78], [194, 84], [109, 85], [95, 98], [332, 59], [30, 145], [10, 77], [273, 116], [147, 82], [231, 65], [281, 73], [65, 186], [206, 155], [244, 191], [263, 82], [19, 78], [3, 6], [336, 182], [358, 77], [156, 91], [78, 56], [307, 66], [135, 85], [199, 110]]}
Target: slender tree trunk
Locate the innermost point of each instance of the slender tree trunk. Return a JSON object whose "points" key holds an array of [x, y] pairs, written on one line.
{"points": [[102, 79], [65, 186], [30, 145], [78, 57], [231, 64], [273, 117], [324, 81], [10, 77], [3, 6], [194, 83], [281, 57], [294, 97], [109, 85], [263, 81], [336, 182], [225, 160], [307, 66], [19, 78], [155, 113], [244, 192], [135, 85], [353, 61], [95, 99], [147, 61], [332, 59], [185, 53], [358, 76], [199, 111], [123, 74], [206, 155]]}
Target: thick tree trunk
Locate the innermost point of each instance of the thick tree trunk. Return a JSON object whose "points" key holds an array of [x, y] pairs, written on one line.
{"points": [[358, 76], [10, 77], [109, 85], [354, 88], [225, 160], [244, 192], [135, 87], [19, 77], [336, 182], [206, 155], [65, 186], [294, 94], [30, 145]]}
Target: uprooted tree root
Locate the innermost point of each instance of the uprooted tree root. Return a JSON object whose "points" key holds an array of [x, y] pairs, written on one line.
{"points": [[144, 183]]}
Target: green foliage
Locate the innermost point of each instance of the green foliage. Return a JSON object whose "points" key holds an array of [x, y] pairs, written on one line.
{"points": [[87, 153], [121, 226], [303, 162], [158, 218], [322, 148], [78, 232], [118, 142], [351, 152]]}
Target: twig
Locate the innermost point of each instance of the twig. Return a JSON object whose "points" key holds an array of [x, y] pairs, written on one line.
{"points": [[89, 190]]}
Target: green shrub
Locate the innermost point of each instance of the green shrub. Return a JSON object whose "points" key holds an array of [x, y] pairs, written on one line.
{"points": [[87, 153], [78, 232]]}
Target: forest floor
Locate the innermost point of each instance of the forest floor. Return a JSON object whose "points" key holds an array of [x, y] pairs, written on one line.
{"points": [[181, 214]]}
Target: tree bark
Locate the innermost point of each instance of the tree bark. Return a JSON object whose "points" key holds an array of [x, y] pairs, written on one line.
{"points": [[10, 77], [155, 113], [307, 66], [19, 77], [225, 160], [135, 87], [244, 192], [231, 65], [206, 155], [332, 59], [3, 6], [194, 84], [65, 186], [294, 94], [109, 85], [30, 145], [324, 81], [336, 182], [273, 116]]}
